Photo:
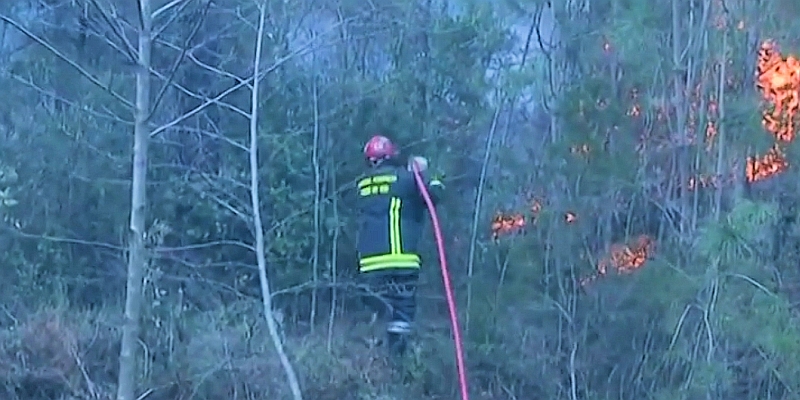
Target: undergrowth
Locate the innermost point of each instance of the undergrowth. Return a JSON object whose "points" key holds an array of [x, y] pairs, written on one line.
{"points": [[61, 353]]}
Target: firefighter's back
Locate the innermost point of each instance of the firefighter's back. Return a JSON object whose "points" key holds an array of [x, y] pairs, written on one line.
{"points": [[390, 220]]}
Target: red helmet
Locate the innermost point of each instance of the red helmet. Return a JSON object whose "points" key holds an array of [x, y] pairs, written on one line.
{"points": [[379, 148]]}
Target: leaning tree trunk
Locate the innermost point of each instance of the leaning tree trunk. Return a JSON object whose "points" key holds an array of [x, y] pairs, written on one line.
{"points": [[137, 258], [261, 258]]}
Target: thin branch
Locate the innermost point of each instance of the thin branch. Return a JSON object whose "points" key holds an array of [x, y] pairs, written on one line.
{"points": [[113, 24], [206, 245], [111, 246], [57, 239], [178, 60], [53, 95], [227, 191], [218, 134], [256, 74], [169, 5], [212, 134], [224, 204], [226, 32], [194, 95], [239, 80], [66, 59], [214, 69], [754, 283]]}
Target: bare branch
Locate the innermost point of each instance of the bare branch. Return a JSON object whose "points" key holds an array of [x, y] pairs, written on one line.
{"points": [[192, 94], [226, 32], [57, 239], [205, 66], [228, 193], [178, 61], [112, 21], [169, 5], [224, 204], [206, 245], [174, 16], [214, 134], [82, 107], [66, 59], [214, 69], [218, 134], [256, 74]]}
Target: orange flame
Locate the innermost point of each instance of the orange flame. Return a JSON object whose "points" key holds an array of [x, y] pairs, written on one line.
{"points": [[778, 79], [506, 224], [779, 82], [769, 165], [624, 259]]}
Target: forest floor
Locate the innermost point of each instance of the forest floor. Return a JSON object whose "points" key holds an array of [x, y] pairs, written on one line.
{"points": [[58, 353]]}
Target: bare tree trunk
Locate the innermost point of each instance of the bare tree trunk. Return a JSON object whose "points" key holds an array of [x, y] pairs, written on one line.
{"points": [[258, 226], [137, 258], [681, 72], [334, 266], [721, 162], [317, 205], [477, 214]]}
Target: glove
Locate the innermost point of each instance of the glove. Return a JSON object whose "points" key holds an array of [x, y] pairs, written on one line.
{"points": [[421, 162]]}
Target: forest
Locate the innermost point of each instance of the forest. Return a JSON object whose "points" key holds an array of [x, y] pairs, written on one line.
{"points": [[178, 209]]}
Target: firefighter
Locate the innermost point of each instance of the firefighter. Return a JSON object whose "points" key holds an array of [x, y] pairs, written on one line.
{"points": [[391, 217]]}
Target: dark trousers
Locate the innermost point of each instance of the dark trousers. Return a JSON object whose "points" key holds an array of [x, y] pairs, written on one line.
{"points": [[393, 295]]}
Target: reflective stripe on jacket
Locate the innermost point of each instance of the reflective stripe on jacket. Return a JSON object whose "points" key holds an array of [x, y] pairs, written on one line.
{"points": [[391, 216]]}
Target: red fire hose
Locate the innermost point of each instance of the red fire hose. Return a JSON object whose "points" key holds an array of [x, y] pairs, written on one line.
{"points": [[448, 288]]}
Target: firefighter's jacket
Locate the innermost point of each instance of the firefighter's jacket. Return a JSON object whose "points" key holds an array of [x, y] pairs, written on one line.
{"points": [[392, 214]]}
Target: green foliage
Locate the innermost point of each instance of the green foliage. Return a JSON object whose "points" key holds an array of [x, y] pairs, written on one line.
{"points": [[711, 314], [740, 235]]}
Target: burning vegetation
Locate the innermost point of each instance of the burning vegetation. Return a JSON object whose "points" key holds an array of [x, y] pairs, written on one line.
{"points": [[621, 258], [624, 258], [778, 81]]}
